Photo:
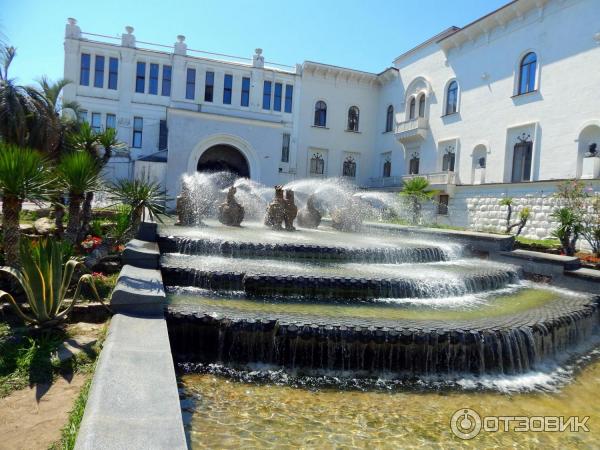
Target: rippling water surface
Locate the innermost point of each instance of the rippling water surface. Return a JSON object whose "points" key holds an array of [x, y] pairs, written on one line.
{"points": [[220, 412]]}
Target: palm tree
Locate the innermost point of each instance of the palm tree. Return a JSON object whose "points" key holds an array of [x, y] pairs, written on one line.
{"points": [[23, 175], [78, 173], [416, 191], [140, 196], [16, 107]]}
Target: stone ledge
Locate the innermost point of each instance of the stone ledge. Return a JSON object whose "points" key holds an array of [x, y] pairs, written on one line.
{"points": [[585, 273], [568, 262], [133, 402], [141, 254], [139, 290], [482, 242]]}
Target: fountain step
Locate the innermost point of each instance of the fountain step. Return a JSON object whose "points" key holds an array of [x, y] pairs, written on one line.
{"points": [[142, 254], [407, 253], [507, 344], [138, 290], [405, 285]]}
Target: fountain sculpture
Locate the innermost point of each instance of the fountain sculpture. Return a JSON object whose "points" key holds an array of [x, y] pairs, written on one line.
{"points": [[230, 211], [290, 210], [309, 216], [276, 210], [348, 217]]}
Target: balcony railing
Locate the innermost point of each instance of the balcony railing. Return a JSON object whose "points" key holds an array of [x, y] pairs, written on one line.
{"points": [[434, 179], [412, 130]]}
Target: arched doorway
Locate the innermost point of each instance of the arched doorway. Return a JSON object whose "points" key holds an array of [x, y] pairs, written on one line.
{"points": [[224, 157]]}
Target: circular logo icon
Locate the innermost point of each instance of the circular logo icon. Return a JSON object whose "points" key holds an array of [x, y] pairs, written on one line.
{"points": [[465, 423]]}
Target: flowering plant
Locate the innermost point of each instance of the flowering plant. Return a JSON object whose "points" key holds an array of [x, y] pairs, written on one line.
{"points": [[91, 242]]}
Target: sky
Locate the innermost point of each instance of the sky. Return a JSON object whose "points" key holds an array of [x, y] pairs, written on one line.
{"points": [[364, 35]]}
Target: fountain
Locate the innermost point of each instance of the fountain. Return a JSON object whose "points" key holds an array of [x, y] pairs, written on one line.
{"points": [[337, 304]]}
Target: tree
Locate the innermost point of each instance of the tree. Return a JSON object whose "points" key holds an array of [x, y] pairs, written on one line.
{"points": [[140, 196], [416, 191], [78, 173], [23, 175], [591, 225], [568, 230], [524, 215]]}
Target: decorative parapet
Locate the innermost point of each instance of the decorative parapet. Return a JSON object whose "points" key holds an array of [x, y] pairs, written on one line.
{"points": [[128, 39], [180, 47], [72, 30], [412, 130]]}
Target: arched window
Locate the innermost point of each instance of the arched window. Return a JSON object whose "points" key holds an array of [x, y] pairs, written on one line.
{"points": [[413, 165], [389, 119], [452, 98], [411, 109], [349, 167], [353, 118], [317, 164], [527, 73], [387, 168], [320, 114], [422, 105]]}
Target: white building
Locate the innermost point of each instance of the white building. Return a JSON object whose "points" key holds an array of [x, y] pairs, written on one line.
{"points": [[506, 105]]}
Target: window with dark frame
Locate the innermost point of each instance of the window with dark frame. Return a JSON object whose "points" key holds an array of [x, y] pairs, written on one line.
{"points": [[527, 73], [443, 201], [153, 81], [245, 98], [99, 72], [227, 88], [138, 126], [317, 164], [96, 122], [353, 115], [411, 109], [349, 167], [163, 135], [190, 85], [413, 165], [389, 119], [452, 98], [285, 148], [140, 77], [209, 86], [266, 104], [84, 72], [320, 114], [111, 121], [448, 161], [387, 168], [289, 92], [277, 97], [422, 105], [521, 168], [166, 81], [113, 73]]}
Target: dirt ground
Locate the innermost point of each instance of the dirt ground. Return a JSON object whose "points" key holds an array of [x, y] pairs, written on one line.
{"points": [[26, 424]]}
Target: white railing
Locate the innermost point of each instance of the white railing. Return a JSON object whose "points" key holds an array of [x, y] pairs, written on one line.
{"points": [[436, 178]]}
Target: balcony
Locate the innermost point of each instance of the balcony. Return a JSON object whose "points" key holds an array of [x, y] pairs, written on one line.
{"points": [[412, 130], [443, 181]]}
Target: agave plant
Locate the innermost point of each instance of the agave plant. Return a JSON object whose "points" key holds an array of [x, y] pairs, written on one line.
{"points": [[141, 196], [45, 280]]}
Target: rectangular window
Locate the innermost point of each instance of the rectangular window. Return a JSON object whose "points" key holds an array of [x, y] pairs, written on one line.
{"points": [[277, 99], [111, 121], [166, 81], [521, 170], [84, 74], [190, 84], [443, 205], [99, 72], [209, 85], [285, 148], [245, 100], [138, 125], [289, 91], [97, 122], [140, 77], [227, 84], [82, 116], [163, 135], [113, 73], [267, 95], [153, 84]]}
